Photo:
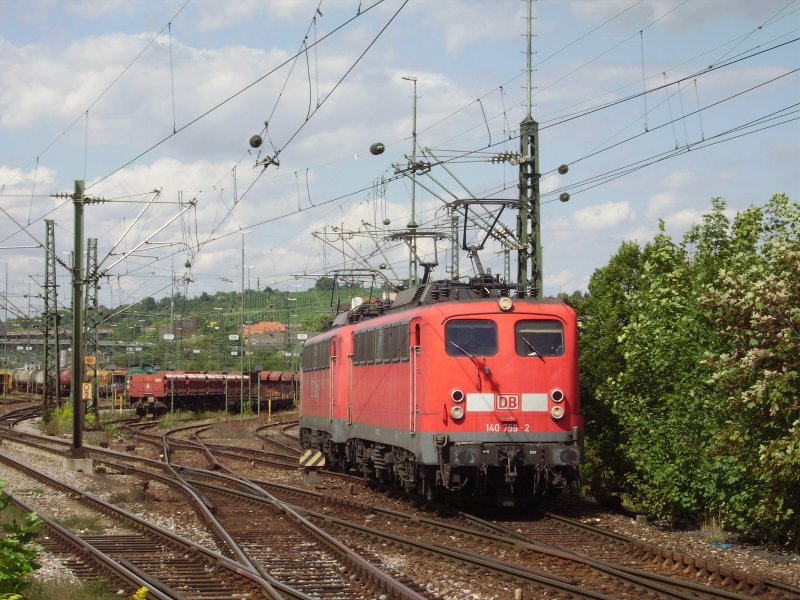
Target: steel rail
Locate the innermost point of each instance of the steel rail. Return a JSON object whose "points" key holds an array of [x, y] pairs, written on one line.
{"points": [[125, 573], [353, 559], [139, 524]]}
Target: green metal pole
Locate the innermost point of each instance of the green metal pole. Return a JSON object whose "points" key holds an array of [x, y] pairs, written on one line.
{"points": [[412, 224], [241, 343], [528, 220], [77, 450]]}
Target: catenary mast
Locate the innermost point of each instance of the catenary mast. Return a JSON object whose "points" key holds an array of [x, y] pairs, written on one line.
{"points": [[528, 221]]}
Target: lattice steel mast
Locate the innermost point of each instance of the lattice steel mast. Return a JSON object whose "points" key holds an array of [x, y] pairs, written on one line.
{"points": [[51, 358], [92, 323], [528, 221]]}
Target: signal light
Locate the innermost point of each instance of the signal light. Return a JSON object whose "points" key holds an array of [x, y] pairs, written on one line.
{"points": [[557, 395], [557, 412], [457, 412], [457, 396]]}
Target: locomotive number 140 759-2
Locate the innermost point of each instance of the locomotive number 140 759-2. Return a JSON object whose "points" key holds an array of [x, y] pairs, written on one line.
{"points": [[507, 427]]}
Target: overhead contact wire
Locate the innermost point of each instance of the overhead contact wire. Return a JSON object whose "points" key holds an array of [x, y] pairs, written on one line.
{"points": [[228, 99]]}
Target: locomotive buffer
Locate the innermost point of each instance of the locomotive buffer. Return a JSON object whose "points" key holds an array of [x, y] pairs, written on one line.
{"points": [[311, 462]]}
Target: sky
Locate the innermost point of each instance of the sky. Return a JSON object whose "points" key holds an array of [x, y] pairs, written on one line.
{"points": [[656, 106]]}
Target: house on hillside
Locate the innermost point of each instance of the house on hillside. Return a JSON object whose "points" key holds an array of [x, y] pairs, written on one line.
{"points": [[265, 334]]}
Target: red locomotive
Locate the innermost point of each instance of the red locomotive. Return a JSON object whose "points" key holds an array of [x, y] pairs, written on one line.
{"points": [[450, 389]]}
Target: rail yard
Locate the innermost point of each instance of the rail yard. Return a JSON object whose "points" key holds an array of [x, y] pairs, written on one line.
{"points": [[221, 509], [345, 429]]}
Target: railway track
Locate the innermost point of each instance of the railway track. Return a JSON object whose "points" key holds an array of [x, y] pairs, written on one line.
{"points": [[476, 539], [172, 565], [298, 560], [291, 548], [552, 555], [556, 558], [568, 538], [583, 539]]}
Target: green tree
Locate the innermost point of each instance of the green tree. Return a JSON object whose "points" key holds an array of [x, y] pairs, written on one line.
{"points": [[755, 305], [690, 354], [316, 322], [324, 283], [603, 315], [667, 419]]}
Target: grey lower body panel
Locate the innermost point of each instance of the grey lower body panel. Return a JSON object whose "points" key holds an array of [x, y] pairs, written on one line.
{"points": [[466, 449]]}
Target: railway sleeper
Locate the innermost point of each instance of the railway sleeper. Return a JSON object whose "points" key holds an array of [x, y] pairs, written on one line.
{"points": [[699, 568]]}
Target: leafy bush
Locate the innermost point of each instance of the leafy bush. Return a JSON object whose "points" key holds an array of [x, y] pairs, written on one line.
{"points": [[61, 422], [755, 304], [68, 589], [18, 553]]}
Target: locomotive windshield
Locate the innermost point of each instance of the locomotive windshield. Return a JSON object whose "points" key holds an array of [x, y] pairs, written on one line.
{"points": [[471, 337], [539, 338]]}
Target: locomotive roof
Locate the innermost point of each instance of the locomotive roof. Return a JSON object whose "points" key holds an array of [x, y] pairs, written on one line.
{"points": [[478, 288]]}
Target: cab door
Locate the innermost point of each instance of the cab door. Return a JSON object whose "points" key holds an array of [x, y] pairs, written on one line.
{"points": [[332, 380], [414, 373]]}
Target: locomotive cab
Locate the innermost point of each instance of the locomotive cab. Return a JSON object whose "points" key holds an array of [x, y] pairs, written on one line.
{"points": [[512, 428]]}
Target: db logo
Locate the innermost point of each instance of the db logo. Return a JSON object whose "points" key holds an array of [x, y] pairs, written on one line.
{"points": [[506, 402]]}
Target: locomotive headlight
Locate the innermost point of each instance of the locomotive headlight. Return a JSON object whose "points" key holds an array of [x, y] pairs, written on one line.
{"points": [[505, 303], [457, 396], [457, 412], [557, 395], [557, 412]]}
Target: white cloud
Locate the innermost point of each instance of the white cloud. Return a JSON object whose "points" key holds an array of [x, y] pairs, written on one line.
{"points": [[602, 216], [460, 50], [687, 15], [93, 9], [680, 178], [682, 220], [660, 203], [215, 15], [562, 281], [457, 20], [17, 181]]}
